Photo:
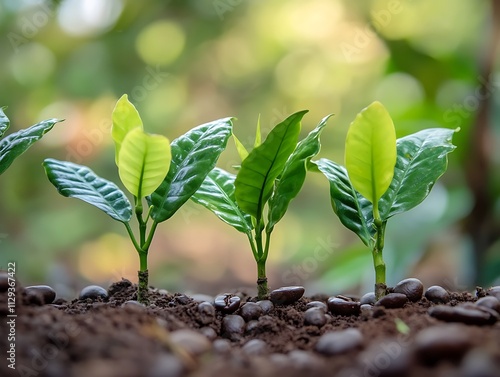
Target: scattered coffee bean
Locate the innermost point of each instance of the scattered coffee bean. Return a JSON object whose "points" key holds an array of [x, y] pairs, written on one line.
{"points": [[387, 359], [494, 291], [251, 326], [490, 302], [200, 297], [437, 294], [133, 304], [338, 342], [4, 281], [40, 294], [255, 347], [209, 333], [465, 314], [368, 298], [227, 303], [222, 345], [233, 327], [286, 295], [182, 299], [366, 309], [266, 306], [448, 342], [392, 301], [162, 363], [207, 313], [191, 341], [317, 304], [303, 360], [315, 316], [411, 288], [163, 292], [339, 306], [479, 363], [93, 292], [251, 310]]}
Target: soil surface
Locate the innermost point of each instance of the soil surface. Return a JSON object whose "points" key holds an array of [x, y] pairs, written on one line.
{"points": [[178, 336]]}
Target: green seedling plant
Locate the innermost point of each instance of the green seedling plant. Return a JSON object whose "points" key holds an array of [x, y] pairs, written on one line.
{"points": [[383, 176], [270, 176], [161, 176]]}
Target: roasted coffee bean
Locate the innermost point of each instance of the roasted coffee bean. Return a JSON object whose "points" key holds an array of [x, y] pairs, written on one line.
{"points": [[191, 341], [222, 345], [303, 360], [233, 327], [251, 310], [93, 292], [315, 316], [392, 301], [368, 298], [286, 295], [479, 362], [494, 291], [209, 333], [339, 306], [133, 305], [465, 314], [338, 342], [255, 347], [437, 294], [411, 288], [448, 342], [266, 306], [490, 302], [317, 304], [227, 303], [164, 362], [40, 294], [251, 326], [207, 313]]}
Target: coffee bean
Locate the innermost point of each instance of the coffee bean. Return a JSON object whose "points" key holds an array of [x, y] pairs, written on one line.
{"points": [[182, 299], [437, 294], [4, 281], [251, 326], [465, 314], [227, 303], [164, 362], [251, 310], [209, 333], [191, 341], [40, 294], [411, 288], [448, 342], [134, 305], [392, 301], [339, 306], [303, 360], [255, 347], [338, 342], [286, 295], [387, 359], [266, 306], [222, 345], [315, 316], [233, 327], [494, 291], [317, 304], [490, 302], [207, 313], [93, 292], [368, 298], [366, 309], [479, 363]]}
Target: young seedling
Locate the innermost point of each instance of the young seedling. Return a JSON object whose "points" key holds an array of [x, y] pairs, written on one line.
{"points": [[270, 176], [161, 176], [383, 177]]}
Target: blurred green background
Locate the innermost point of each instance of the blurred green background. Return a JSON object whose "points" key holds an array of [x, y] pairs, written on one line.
{"points": [[183, 63]]}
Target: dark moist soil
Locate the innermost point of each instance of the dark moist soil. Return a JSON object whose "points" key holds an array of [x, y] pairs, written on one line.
{"points": [[105, 339]]}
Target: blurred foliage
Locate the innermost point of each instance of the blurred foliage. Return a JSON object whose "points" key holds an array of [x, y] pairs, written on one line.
{"points": [[184, 63]]}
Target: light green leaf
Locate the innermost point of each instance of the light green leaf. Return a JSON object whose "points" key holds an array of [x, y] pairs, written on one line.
{"points": [[421, 159], [125, 119], [143, 162], [258, 135], [4, 122], [217, 195], [194, 155], [18, 142], [255, 180], [294, 174], [243, 153], [370, 152], [77, 181]]}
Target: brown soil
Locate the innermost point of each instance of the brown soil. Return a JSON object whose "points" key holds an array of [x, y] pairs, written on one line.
{"points": [[104, 339]]}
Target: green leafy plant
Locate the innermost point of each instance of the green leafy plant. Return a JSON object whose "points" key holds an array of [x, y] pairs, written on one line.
{"points": [[158, 174], [383, 177], [18, 142], [270, 176]]}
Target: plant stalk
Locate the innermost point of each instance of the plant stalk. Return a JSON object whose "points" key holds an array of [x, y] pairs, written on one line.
{"points": [[378, 260], [262, 288]]}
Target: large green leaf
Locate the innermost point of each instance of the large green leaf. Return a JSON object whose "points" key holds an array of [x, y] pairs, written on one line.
{"points": [[370, 152], [194, 155], [294, 174], [355, 212], [18, 142], [255, 180], [143, 162], [421, 159], [77, 181], [217, 195], [125, 119], [4, 122]]}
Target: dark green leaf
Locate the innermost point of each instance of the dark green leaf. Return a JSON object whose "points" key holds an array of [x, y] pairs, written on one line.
{"points": [[217, 195], [4, 122], [353, 209], [77, 181], [255, 180], [294, 174], [194, 155], [18, 142], [421, 160]]}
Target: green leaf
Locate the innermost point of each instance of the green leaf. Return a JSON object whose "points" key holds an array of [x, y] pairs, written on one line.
{"points": [[144, 162], [77, 181], [18, 142], [125, 119], [294, 174], [255, 180], [217, 195], [240, 148], [258, 135], [194, 155], [4, 122], [421, 159], [370, 152], [355, 212]]}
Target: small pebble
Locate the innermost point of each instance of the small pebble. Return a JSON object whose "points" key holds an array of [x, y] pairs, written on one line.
{"points": [[411, 288], [251, 310], [165, 362], [437, 294], [40, 294], [494, 291], [317, 304], [286, 295], [133, 304], [338, 342], [339, 306], [368, 298], [227, 303], [448, 342], [207, 313], [465, 314], [4, 281], [192, 341], [490, 302], [315, 316], [200, 297], [233, 327], [255, 347], [266, 306], [222, 345], [93, 292], [392, 301], [209, 333]]}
